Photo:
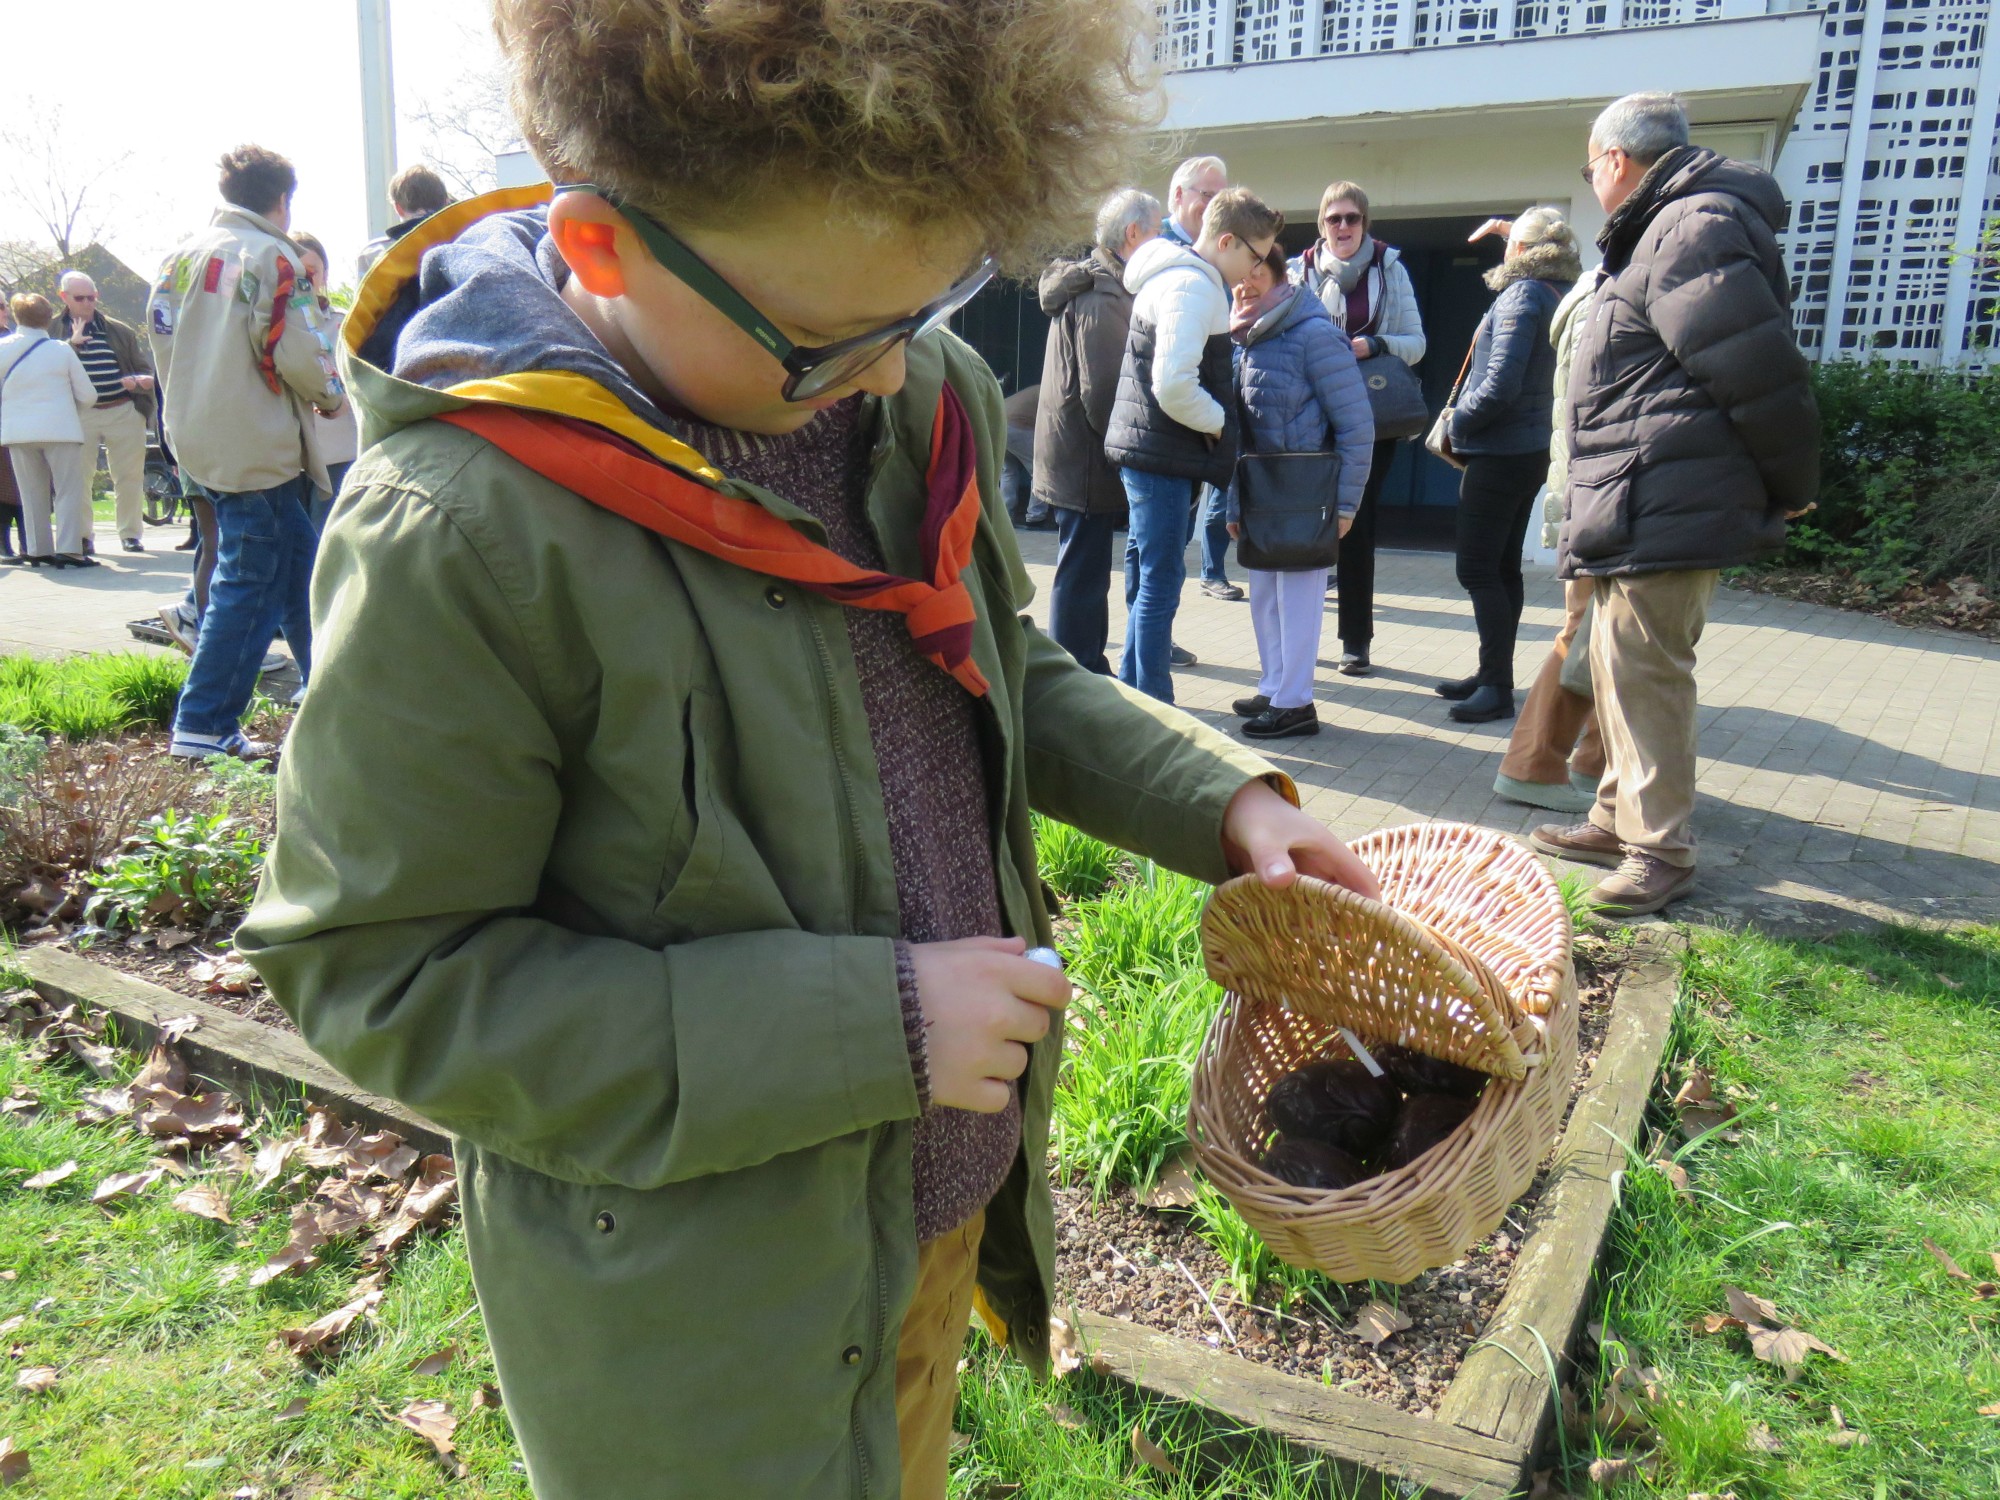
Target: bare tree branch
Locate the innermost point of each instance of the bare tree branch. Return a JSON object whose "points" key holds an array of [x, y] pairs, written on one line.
{"points": [[63, 192], [470, 122]]}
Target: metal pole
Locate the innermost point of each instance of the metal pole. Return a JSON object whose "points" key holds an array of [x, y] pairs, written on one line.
{"points": [[378, 110]]}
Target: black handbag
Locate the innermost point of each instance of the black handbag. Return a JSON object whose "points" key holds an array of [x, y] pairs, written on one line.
{"points": [[1289, 510], [1395, 396]]}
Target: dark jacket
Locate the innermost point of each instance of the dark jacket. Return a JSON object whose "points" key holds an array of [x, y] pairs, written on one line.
{"points": [[1510, 385], [134, 357], [1175, 412], [1093, 314], [1301, 392], [1692, 426]]}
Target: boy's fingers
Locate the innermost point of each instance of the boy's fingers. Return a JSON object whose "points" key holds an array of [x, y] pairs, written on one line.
{"points": [[1039, 983], [1339, 864]]}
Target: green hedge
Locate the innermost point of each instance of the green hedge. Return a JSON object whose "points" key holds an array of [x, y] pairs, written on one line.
{"points": [[1909, 477]]}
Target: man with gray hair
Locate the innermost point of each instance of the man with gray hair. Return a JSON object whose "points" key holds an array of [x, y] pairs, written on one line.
{"points": [[1693, 437], [1196, 180], [121, 369], [1092, 313]]}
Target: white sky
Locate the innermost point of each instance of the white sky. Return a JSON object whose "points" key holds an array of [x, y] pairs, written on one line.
{"points": [[176, 85]]}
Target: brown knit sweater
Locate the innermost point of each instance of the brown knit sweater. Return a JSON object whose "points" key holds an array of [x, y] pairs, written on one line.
{"points": [[926, 740]]}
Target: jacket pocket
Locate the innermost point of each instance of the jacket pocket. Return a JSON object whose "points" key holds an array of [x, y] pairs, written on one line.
{"points": [[699, 845], [1600, 503]]}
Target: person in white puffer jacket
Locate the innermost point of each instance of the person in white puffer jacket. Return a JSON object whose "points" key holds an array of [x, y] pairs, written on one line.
{"points": [[43, 389], [1173, 424]]}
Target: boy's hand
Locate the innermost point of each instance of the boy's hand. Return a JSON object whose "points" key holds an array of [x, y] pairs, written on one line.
{"points": [[983, 1004], [1264, 833]]}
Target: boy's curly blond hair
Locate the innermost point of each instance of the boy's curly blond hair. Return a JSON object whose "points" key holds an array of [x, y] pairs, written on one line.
{"points": [[1011, 115]]}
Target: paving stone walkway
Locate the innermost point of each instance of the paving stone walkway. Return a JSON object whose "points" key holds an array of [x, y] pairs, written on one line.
{"points": [[1849, 767]]}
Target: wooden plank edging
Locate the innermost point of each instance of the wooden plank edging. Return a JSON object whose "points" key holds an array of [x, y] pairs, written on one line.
{"points": [[246, 1057]]}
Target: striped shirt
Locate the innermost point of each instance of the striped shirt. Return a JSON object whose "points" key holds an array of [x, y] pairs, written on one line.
{"points": [[100, 363]]}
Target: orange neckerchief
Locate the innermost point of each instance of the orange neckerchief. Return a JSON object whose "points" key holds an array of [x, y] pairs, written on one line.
{"points": [[608, 471]]}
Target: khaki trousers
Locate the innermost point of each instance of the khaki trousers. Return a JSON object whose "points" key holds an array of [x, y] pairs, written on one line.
{"points": [[1557, 731], [54, 488], [1642, 669], [123, 433], [927, 1357]]}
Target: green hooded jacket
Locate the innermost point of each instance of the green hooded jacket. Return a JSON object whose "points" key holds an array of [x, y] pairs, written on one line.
{"points": [[583, 855]]}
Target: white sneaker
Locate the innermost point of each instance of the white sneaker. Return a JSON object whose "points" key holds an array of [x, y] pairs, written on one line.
{"points": [[274, 661], [235, 745], [175, 620]]}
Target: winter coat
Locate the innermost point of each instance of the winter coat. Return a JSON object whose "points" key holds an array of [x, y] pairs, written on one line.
{"points": [[1175, 411], [1564, 329], [40, 403], [1692, 424], [1300, 389], [1510, 391], [1394, 325], [1086, 348], [134, 358], [599, 879], [239, 405]]}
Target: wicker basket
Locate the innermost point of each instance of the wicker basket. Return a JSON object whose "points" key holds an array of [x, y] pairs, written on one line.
{"points": [[1467, 959]]}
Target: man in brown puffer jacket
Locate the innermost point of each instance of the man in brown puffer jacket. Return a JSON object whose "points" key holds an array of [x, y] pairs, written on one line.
{"points": [[1693, 437]]}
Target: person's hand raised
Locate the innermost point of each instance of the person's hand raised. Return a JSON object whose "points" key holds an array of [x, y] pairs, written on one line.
{"points": [[984, 1005], [1504, 228]]}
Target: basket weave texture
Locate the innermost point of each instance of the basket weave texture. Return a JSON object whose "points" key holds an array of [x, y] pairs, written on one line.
{"points": [[1467, 958]]}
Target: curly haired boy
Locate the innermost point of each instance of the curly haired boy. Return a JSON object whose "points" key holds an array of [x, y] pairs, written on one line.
{"points": [[658, 822]]}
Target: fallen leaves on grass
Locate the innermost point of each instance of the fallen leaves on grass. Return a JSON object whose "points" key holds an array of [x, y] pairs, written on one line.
{"points": [[125, 1185], [1376, 1323], [321, 1340], [435, 1364], [14, 1464], [1842, 1435], [1698, 1109], [172, 1031], [292, 1410], [1983, 1290], [1064, 1415], [1676, 1174], [53, 1176], [22, 1101], [1772, 1338], [37, 1378], [1760, 1439], [1174, 1188], [1990, 1411], [1064, 1350], [1151, 1454], [1622, 1415], [1608, 1473], [226, 975], [433, 1422], [205, 1203]]}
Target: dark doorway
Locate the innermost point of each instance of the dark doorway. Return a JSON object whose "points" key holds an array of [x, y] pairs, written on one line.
{"points": [[1006, 325]]}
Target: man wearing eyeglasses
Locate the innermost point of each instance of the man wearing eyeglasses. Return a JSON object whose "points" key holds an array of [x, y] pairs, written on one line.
{"points": [[121, 370], [1693, 438]]}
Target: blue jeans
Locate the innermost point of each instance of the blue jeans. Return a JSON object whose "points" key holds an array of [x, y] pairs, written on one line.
{"points": [[321, 505], [1214, 534], [263, 564], [1155, 569], [1080, 597]]}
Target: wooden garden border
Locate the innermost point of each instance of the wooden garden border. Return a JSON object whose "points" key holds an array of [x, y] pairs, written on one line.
{"points": [[1494, 1417]]}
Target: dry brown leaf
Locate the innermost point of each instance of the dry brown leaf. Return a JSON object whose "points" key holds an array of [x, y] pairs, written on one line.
{"points": [[1760, 1439], [1621, 1415], [203, 1202], [53, 1176], [169, 938], [435, 1364], [433, 1421], [269, 1163], [12, 1323], [232, 1157], [1697, 1088], [321, 1340], [21, 1101], [1377, 1322], [1951, 1267], [486, 1395], [1699, 1119], [1787, 1348], [294, 1409], [1676, 1174], [164, 1076], [106, 1104], [299, 1250], [172, 1031], [1175, 1187], [1752, 1309], [101, 1060], [14, 1465], [1064, 1415], [1607, 1473], [1949, 983], [37, 1378], [1990, 1411], [1842, 1435], [124, 1185], [1151, 1454], [208, 1118], [1717, 1322], [425, 1202], [959, 1443], [1064, 1350]]}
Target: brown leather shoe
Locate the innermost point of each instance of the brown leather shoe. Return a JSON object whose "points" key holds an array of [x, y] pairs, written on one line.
{"points": [[1584, 842], [1642, 883]]}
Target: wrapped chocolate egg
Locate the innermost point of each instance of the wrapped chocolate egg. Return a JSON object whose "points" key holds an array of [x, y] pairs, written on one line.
{"points": [[1419, 1073], [1307, 1163], [1422, 1122], [1340, 1103]]}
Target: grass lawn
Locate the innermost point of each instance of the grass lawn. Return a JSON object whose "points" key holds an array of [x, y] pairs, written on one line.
{"points": [[1865, 1069]]}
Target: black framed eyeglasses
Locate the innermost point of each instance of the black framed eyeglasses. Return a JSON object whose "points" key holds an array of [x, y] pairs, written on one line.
{"points": [[1590, 165], [810, 369]]}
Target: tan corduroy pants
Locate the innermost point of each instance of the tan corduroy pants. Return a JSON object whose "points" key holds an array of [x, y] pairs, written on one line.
{"points": [[1642, 669], [1557, 731], [927, 1357], [123, 432]]}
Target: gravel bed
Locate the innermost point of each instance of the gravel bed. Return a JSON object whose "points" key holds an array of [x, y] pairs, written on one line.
{"points": [[1120, 1258]]}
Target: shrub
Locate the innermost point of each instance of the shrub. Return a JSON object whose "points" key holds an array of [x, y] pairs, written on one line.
{"points": [[242, 785], [180, 868], [74, 808], [90, 697]]}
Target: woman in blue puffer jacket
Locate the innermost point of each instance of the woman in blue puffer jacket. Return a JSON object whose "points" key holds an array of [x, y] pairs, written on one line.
{"points": [[1500, 426], [1300, 391]]}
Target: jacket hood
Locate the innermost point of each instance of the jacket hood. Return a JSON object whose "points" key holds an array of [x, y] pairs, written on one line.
{"points": [[1573, 304], [1545, 262], [1681, 173], [1066, 280], [1156, 257]]}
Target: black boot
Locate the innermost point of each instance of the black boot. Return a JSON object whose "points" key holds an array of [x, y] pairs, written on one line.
{"points": [[1283, 723], [1459, 691], [1250, 707], [1485, 704]]}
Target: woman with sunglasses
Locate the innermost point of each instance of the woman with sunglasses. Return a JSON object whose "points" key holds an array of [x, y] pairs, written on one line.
{"points": [[1366, 287]]}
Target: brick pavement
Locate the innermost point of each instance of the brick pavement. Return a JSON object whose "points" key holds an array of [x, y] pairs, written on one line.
{"points": [[1849, 766]]}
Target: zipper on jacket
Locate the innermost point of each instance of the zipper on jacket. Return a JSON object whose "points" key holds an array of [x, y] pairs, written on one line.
{"points": [[881, 1313], [850, 818]]}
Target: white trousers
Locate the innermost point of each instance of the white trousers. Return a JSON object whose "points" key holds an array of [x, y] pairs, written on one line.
{"points": [[50, 477], [123, 432], [1286, 610]]}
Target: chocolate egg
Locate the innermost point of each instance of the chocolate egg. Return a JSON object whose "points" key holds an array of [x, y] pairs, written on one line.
{"points": [[1308, 1163], [1422, 1122], [1340, 1103], [1417, 1072]]}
